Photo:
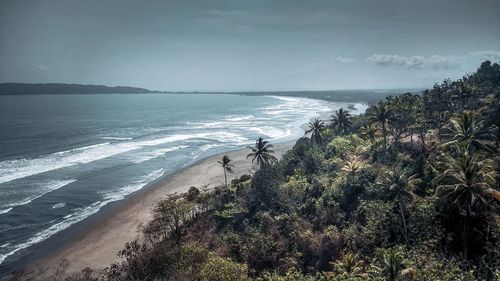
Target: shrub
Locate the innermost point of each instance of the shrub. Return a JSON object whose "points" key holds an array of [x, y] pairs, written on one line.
{"points": [[222, 269]]}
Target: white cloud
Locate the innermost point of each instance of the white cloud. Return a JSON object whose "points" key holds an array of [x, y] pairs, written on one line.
{"points": [[42, 67], [344, 60], [415, 62], [487, 55]]}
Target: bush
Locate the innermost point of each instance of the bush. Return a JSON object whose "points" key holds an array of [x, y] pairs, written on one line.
{"points": [[222, 269], [193, 193]]}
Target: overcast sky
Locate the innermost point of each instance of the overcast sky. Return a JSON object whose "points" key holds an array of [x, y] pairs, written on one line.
{"points": [[246, 44]]}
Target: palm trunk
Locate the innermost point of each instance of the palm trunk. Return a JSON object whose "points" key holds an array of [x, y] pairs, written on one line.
{"points": [[384, 132], [464, 234], [439, 129], [422, 139], [403, 218], [225, 177]]}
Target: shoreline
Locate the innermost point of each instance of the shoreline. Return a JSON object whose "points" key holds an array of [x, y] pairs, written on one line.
{"points": [[93, 243], [100, 240]]}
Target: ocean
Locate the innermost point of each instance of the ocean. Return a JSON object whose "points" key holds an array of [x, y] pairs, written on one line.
{"points": [[64, 157]]}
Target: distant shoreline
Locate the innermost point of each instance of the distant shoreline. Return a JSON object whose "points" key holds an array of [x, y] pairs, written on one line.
{"points": [[355, 95]]}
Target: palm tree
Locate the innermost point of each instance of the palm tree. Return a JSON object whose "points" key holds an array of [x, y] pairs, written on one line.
{"points": [[315, 128], [399, 183], [262, 152], [463, 91], [466, 129], [341, 121], [350, 266], [351, 167], [227, 166], [369, 130], [469, 184], [381, 114], [393, 264]]}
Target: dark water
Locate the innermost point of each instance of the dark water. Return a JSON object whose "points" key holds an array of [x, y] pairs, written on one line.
{"points": [[62, 158]]}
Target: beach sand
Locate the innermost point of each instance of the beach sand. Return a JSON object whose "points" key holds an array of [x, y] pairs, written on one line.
{"points": [[97, 246]]}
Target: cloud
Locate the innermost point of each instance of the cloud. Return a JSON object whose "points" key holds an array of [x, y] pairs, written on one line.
{"points": [[42, 67], [415, 62], [344, 60], [225, 13], [487, 55]]}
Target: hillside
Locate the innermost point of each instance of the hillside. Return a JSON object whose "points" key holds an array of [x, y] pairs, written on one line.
{"points": [[64, 89]]}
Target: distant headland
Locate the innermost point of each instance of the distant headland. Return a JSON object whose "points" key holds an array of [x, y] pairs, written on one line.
{"points": [[65, 89]]}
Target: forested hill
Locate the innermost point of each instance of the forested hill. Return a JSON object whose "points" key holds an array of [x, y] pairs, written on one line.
{"points": [[64, 89]]}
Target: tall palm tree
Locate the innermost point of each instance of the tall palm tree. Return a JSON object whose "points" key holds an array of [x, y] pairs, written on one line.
{"points": [[262, 152], [227, 166], [392, 264], [369, 130], [341, 121], [350, 266], [469, 184], [399, 183], [351, 167], [466, 129], [380, 114], [316, 127]]}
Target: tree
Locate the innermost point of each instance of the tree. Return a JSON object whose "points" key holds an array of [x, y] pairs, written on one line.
{"points": [[399, 182], [316, 127], [227, 166], [467, 130], [341, 121], [369, 130], [392, 264], [469, 184], [462, 92], [193, 193], [349, 266], [262, 152], [380, 114], [351, 167], [168, 216], [223, 269]]}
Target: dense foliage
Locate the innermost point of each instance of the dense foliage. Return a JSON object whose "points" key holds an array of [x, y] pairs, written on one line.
{"points": [[407, 191]]}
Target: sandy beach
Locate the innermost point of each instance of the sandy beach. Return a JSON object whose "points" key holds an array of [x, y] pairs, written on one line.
{"points": [[97, 246]]}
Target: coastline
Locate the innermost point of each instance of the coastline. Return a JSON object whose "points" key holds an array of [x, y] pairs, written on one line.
{"points": [[96, 241], [98, 244]]}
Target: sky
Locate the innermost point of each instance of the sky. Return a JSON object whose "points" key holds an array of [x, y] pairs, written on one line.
{"points": [[247, 45]]}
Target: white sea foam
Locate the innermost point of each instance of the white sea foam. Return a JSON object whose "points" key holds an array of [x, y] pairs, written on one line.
{"points": [[82, 213], [81, 148], [37, 191], [271, 132], [59, 205], [120, 193], [115, 138], [238, 118], [21, 168], [148, 155], [3, 211], [46, 233]]}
